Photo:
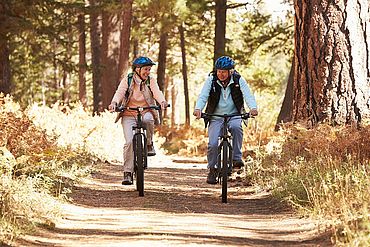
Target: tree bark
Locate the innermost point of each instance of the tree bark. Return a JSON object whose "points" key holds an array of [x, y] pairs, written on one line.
{"points": [[95, 60], [163, 45], [220, 29], [332, 69], [185, 75], [285, 114], [134, 40], [82, 65], [5, 72], [66, 96], [173, 103], [104, 59], [165, 93], [125, 38], [110, 55]]}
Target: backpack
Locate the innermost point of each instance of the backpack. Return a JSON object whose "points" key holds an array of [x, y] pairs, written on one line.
{"points": [[129, 80]]}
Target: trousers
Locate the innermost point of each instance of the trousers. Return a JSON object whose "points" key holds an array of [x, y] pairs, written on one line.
{"points": [[215, 128], [128, 152]]}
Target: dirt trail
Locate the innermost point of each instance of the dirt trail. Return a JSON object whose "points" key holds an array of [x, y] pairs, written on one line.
{"points": [[178, 208]]}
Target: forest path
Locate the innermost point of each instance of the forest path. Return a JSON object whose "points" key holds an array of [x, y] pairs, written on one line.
{"points": [[179, 209]]}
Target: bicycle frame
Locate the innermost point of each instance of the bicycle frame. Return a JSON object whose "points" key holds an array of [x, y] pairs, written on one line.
{"points": [[225, 149], [139, 145]]}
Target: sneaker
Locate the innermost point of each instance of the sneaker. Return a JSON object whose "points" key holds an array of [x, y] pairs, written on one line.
{"points": [[229, 170], [151, 151], [127, 178], [212, 176], [238, 163]]}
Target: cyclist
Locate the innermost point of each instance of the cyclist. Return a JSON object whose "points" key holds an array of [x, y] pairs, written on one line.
{"points": [[224, 92], [137, 89]]}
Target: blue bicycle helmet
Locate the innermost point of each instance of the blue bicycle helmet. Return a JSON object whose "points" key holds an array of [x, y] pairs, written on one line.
{"points": [[141, 62], [224, 63]]}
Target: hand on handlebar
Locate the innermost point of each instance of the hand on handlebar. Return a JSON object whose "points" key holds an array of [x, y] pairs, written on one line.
{"points": [[164, 104], [197, 113], [253, 112], [112, 107]]}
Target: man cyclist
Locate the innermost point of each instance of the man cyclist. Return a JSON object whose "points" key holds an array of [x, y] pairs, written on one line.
{"points": [[224, 92], [135, 90]]}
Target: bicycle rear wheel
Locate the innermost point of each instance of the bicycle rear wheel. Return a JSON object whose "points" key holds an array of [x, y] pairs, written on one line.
{"points": [[224, 171], [140, 164]]}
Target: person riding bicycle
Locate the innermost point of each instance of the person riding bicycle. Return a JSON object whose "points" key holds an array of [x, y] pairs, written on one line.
{"points": [[137, 89], [224, 92]]}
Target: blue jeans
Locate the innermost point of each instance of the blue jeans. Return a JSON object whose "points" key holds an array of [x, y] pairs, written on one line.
{"points": [[234, 125]]}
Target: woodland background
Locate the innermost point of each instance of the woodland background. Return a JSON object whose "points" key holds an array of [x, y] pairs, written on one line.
{"points": [[307, 62]]}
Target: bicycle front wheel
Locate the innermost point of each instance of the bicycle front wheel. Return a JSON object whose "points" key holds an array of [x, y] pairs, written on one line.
{"points": [[140, 164], [224, 171]]}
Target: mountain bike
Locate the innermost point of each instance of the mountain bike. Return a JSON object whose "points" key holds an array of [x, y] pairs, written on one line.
{"points": [[225, 150], [139, 145]]}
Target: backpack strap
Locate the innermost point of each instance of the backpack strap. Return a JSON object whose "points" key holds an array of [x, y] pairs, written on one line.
{"points": [[236, 77], [129, 81]]}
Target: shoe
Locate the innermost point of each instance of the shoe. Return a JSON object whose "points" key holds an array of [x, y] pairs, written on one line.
{"points": [[238, 163], [229, 170], [127, 178], [151, 151], [212, 176]]}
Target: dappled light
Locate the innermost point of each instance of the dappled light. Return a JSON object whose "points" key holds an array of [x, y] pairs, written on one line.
{"points": [[184, 123]]}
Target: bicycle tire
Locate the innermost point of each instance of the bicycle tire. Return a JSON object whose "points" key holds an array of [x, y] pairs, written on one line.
{"points": [[140, 165], [135, 159], [224, 171], [145, 153], [230, 158]]}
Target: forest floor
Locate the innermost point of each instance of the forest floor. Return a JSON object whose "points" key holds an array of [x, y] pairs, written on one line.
{"points": [[179, 209]]}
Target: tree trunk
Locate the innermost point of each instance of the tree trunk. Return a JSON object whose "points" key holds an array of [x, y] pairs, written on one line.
{"points": [[125, 38], [5, 74], [332, 69], [95, 60], [173, 103], [285, 114], [165, 93], [134, 40], [185, 75], [66, 83], [82, 66], [220, 29], [65, 88], [163, 45], [110, 56], [104, 59]]}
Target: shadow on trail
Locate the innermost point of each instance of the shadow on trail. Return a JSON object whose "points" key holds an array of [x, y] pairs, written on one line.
{"points": [[178, 208], [174, 190], [183, 238]]}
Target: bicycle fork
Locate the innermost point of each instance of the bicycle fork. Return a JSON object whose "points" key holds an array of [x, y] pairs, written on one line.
{"points": [[137, 137], [219, 159]]}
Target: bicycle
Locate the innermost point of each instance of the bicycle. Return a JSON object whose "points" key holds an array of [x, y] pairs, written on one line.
{"points": [[225, 148], [139, 145]]}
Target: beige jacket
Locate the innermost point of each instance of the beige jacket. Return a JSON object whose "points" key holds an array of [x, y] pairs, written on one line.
{"points": [[138, 96]]}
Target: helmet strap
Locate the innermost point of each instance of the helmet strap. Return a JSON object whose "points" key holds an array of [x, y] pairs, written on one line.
{"points": [[138, 74]]}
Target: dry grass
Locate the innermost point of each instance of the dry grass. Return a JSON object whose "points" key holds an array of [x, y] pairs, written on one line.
{"points": [[33, 170], [325, 172]]}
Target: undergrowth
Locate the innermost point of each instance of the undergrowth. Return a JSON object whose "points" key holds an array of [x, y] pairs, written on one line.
{"points": [[34, 171], [325, 173]]}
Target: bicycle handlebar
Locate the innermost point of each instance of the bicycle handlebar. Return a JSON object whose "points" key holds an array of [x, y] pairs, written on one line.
{"points": [[138, 108], [242, 115]]}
